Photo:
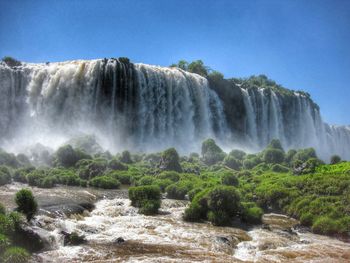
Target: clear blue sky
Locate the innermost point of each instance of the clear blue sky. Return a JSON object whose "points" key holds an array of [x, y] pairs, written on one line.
{"points": [[301, 44]]}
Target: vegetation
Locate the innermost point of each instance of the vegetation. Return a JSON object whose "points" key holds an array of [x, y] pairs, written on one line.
{"points": [[147, 198], [26, 203], [221, 187]]}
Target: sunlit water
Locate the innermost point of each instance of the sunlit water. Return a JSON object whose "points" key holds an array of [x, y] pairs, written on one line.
{"points": [[166, 237]]}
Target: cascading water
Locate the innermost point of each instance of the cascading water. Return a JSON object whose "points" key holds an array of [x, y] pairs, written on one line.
{"points": [[149, 108]]}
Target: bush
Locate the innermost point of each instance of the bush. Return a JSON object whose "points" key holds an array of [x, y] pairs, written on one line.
{"points": [[324, 225], [66, 156], [122, 176], [289, 156], [2, 209], [105, 182], [163, 183], [272, 155], [237, 154], [335, 159], [177, 191], [232, 162], [26, 203], [114, 164], [16, 255], [305, 154], [8, 159], [170, 160], [11, 62], [126, 157], [211, 153], [89, 169], [6, 225], [275, 144], [5, 176], [20, 175], [229, 179], [251, 213], [146, 180], [147, 198], [171, 175], [4, 243], [278, 168]]}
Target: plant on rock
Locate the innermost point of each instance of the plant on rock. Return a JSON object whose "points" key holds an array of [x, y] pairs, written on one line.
{"points": [[147, 198], [26, 203]]}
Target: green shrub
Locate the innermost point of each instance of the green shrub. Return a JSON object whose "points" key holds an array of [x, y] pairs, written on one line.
{"points": [[4, 243], [11, 62], [278, 168], [251, 213], [105, 182], [163, 183], [324, 225], [305, 154], [126, 157], [193, 192], [123, 177], [237, 154], [20, 175], [229, 179], [232, 162], [146, 180], [177, 191], [275, 144], [150, 207], [289, 156], [26, 203], [114, 164], [2, 209], [66, 156], [170, 160], [89, 169], [172, 175], [147, 198], [250, 163], [5, 176], [335, 159], [272, 155], [7, 226], [16, 255], [8, 159], [211, 153]]}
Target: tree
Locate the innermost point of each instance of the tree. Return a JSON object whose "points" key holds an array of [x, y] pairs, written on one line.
{"points": [[211, 152], [199, 68], [26, 203], [126, 157], [11, 62], [272, 155]]}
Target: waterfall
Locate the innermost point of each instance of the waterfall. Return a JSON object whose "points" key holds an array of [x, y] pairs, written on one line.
{"points": [[149, 108], [128, 106]]}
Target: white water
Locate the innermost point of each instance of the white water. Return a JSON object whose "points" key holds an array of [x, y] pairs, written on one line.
{"points": [[167, 238], [149, 108]]}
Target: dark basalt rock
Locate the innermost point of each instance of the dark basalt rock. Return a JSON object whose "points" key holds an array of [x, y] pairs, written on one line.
{"points": [[119, 240], [73, 239]]}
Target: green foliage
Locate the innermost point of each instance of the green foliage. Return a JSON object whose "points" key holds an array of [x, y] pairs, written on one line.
{"points": [[275, 144], [251, 162], [4, 243], [170, 160], [126, 157], [289, 156], [114, 164], [229, 179], [146, 180], [198, 67], [232, 162], [66, 156], [251, 213], [147, 198], [7, 226], [272, 155], [16, 255], [2, 209], [171, 175], [278, 168], [238, 154], [5, 176], [105, 182], [211, 153], [305, 154], [178, 190], [218, 204], [26, 203], [11, 62], [124, 177], [8, 159], [88, 169], [335, 159], [325, 225]]}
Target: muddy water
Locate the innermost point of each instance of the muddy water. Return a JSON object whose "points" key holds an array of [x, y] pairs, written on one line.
{"points": [[166, 237]]}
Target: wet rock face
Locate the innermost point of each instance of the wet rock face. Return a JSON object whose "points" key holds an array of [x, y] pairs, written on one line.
{"points": [[73, 239], [26, 237]]}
